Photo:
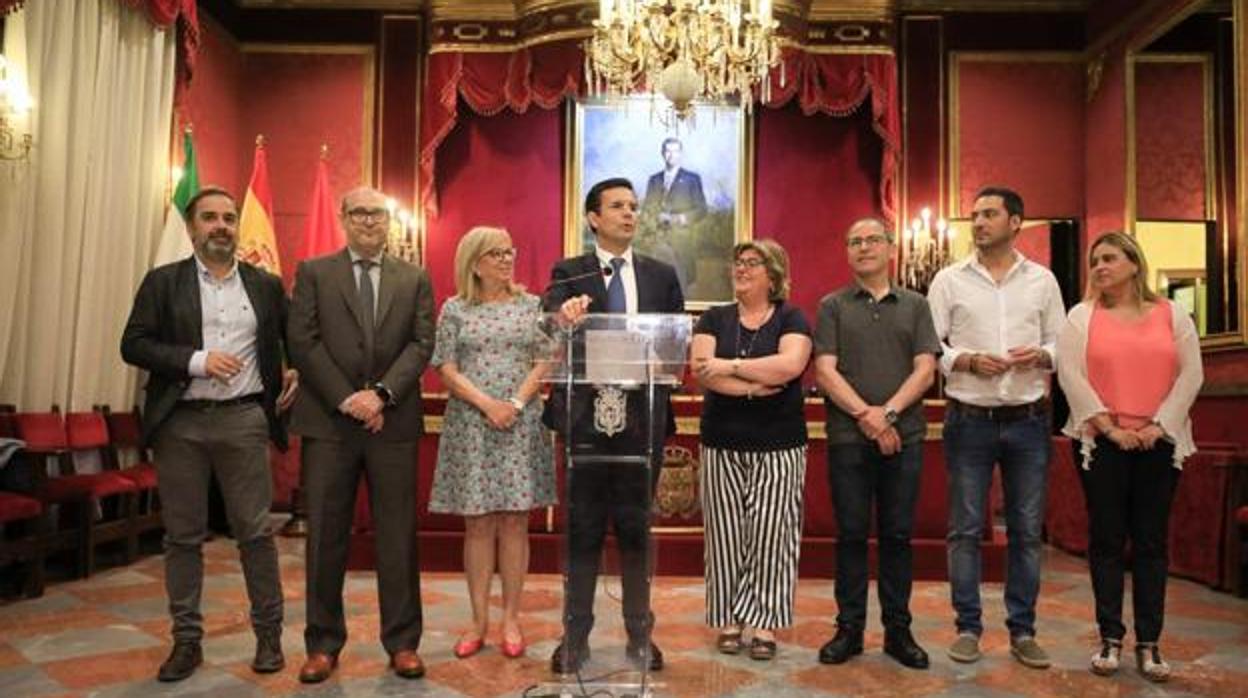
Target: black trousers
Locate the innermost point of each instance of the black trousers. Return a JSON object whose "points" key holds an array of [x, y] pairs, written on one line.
{"points": [[1128, 496], [619, 493], [331, 473]]}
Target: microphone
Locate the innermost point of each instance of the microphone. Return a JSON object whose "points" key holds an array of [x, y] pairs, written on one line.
{"points": [[603, 272]]}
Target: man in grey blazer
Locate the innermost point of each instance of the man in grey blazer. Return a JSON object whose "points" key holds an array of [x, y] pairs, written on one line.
{"points": [[361, 331]]}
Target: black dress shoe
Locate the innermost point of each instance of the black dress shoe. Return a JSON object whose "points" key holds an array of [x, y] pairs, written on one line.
{"points": [[845, 644], [269, 658], [568, 659], [637, 655], [900, 645], [182, 661]]}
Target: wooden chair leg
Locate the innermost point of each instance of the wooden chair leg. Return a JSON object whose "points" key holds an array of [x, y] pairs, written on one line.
{"points": [[35, 579], [86, 560], [132, 526]]}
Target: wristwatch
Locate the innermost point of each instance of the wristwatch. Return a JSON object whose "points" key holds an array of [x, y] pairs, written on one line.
{"points": [[383, 392], [890, 414]]}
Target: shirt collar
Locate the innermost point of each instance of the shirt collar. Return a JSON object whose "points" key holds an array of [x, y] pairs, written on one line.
{"points": [[355, 257], [860, 290], [206, 273], [604, 257], [972, 262]]}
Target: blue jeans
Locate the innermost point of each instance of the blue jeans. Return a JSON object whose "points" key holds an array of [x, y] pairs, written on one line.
{"points": [[859, 473], [973, 445]]}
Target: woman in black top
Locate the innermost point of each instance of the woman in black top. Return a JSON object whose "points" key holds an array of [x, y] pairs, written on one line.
{"points": [[749, 357]]}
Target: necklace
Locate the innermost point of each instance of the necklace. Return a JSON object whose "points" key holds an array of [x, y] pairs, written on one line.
{"points": [[748, 350]]}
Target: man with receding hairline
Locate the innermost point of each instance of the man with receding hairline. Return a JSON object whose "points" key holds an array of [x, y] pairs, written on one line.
{"points": [[361, 331]]}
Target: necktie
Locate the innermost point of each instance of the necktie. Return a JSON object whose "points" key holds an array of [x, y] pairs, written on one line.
{"points": [[616, 300], [366, 293]]}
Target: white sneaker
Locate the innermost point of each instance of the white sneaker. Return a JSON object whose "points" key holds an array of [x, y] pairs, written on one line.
{"points": [[1106, 661], [1148, 660]]}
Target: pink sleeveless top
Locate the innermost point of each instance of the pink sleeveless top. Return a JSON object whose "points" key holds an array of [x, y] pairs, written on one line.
{"points": [[1132, 365]]}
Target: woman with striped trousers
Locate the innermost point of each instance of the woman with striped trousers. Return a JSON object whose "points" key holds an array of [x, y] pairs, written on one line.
{"points": [[749, 357]]}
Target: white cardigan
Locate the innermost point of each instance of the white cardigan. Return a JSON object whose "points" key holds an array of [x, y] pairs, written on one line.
{"points": [[1172, 416]]}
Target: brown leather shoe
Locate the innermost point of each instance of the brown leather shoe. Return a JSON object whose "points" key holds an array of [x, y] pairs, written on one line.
{"points": [[407, 664], [317, 667]]}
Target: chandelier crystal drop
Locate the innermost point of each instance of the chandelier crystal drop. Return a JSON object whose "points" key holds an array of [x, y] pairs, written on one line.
{"points": [[686, 50]]}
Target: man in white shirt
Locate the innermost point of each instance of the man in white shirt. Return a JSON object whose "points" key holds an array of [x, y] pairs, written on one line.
{"points": [[997, 315]]}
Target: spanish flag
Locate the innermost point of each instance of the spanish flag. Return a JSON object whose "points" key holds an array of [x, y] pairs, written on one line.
{"points": [[257, 244]]}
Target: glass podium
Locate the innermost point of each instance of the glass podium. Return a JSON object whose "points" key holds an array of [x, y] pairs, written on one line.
{"points": [[611, 375]]}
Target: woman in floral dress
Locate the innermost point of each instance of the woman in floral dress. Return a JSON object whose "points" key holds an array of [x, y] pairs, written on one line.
{"points": [[495, 461]]}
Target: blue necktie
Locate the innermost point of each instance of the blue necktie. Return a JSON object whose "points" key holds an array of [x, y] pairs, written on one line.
{"points": [[616, 301]]}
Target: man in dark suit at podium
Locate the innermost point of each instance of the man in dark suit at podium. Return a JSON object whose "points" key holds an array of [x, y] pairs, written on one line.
{"points": [[611, 278]]}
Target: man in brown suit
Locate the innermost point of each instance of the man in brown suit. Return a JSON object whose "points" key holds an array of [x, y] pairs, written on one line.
{"points": [[361, 331]]}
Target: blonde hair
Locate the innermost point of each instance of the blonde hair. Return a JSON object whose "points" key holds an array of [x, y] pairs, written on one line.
{"points": [[1130, 249], [472, 246], [775, 261]]}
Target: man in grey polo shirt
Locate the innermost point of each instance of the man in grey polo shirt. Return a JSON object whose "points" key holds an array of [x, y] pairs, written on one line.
{"points": [[875, 357]]}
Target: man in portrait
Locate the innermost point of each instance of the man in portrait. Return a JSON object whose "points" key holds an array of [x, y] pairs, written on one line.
{"points": [[674, 203]]}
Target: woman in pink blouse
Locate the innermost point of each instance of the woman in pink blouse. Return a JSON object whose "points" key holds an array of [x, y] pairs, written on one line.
{"points": [[1129, 363]]}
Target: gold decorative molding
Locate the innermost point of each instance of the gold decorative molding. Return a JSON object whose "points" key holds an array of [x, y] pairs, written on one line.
{"points": [[944, 6]]}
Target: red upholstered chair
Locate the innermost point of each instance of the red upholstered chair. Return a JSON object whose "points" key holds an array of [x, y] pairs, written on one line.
{"points": [[125, 436], [24, 520], [48, 442]]}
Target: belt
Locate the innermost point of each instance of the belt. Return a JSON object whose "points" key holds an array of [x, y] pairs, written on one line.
{"points": [[1002, 413], [218, 404]]}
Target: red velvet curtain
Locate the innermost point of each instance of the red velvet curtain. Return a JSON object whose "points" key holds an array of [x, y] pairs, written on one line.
{"points": [[835, 84], [162, 13]]}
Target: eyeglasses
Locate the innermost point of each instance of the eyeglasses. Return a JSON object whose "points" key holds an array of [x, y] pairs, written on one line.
{"points": [[747, 263], [868, 241], [368, 215], [499, 254]]}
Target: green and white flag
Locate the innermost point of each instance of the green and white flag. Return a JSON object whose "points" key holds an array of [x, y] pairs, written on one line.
{"points": [[175, 243]]}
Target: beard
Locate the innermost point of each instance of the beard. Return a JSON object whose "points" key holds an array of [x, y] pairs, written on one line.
{"points": [[218, 248]]}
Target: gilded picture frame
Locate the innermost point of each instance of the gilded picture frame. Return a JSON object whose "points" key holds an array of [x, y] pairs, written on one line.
{"points": [[693, 180]]}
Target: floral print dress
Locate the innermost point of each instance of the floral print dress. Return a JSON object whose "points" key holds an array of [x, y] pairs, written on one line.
{"points": [[481, 469]]}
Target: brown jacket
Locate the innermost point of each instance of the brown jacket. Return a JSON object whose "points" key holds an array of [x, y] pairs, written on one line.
{"points": [[328, 346]]}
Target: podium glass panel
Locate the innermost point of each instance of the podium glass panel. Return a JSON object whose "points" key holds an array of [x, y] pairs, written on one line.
{"points": [[611, 376]]}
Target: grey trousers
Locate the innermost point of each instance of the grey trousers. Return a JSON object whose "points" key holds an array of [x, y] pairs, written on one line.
{"points": [[231, 443]]}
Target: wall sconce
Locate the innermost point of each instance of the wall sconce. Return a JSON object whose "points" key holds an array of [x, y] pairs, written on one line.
{"points": [[405, 238], [15, 104], [925, 250]]}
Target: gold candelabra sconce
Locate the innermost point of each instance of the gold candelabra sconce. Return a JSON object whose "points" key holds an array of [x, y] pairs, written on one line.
{"points": [[15, 106], [926, 248], [405, 237], [686, 50]]}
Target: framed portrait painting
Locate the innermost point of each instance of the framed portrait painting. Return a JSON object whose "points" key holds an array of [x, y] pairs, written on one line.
{"points": [[693, 181]]}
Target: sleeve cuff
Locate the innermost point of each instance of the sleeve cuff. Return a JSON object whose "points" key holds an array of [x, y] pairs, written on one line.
{"points": [[195, 366], [947, 358]]}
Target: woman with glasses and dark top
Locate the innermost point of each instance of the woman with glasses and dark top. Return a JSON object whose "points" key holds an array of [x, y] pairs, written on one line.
{"points": [[1129, 363], [495, 462], [749, 357]]}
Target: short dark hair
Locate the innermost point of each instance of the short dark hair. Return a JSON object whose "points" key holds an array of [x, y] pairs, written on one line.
{"points": [[669, 140], [593, 200], [1013, 202], [204, 193]]}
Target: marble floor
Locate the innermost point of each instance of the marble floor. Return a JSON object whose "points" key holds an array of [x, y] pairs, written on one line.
{"points": [[106, 636]]}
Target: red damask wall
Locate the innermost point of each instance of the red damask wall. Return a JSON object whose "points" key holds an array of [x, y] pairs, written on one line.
{"points": [[1020, 123], [213, 107], [1170, 115]]}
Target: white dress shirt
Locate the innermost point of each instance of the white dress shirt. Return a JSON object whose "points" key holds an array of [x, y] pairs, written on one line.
{"points": [[627, 274], [973, 313], [229, 325]]}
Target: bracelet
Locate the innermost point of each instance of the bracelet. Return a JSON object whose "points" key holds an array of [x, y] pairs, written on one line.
{"points": [[516, 403]]}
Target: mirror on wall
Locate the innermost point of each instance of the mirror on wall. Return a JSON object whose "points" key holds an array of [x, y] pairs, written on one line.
{"points": [[1182, 166]]}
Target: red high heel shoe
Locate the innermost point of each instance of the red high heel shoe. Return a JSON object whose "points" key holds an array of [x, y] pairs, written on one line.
{"points": [[512, 650], [466, 648]]}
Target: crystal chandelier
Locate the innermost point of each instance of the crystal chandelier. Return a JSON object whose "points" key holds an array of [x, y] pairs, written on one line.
{"points": [[925, 250], [683, 49]]}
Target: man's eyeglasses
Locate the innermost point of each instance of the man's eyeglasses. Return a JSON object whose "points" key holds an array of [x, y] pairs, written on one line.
{"points": [[368, 215], [499, 254], [868, 241], [747, 262]]}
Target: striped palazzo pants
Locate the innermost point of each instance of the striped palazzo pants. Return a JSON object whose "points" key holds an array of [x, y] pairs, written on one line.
{"points": [[752, 514]]}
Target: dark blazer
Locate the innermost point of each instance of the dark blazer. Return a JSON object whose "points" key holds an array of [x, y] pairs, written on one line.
{"points": [[166, 327], [658, 291], [685, 196], [327, 345]]}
